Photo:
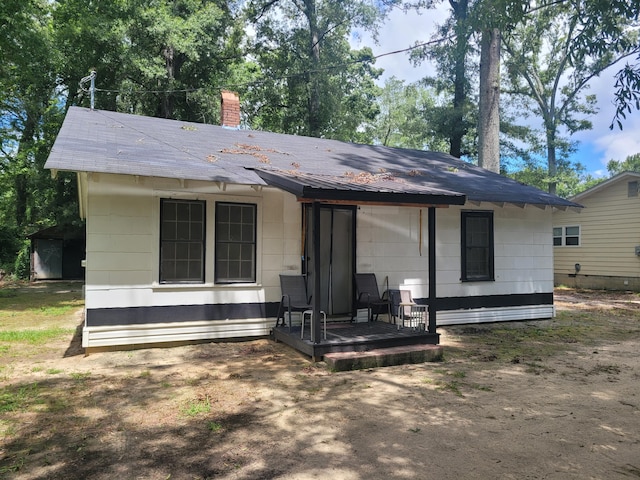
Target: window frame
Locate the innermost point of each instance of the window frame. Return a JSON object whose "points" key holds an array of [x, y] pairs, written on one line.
{"points": [[218, 248], [162, 279], [489, 275], [564, 236]]}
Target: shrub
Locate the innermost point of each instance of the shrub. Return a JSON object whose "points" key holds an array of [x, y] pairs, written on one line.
{"points": [[9, 246], [22, 268]]}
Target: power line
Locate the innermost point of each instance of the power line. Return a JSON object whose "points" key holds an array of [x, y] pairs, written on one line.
{"points": [[283, 77]]}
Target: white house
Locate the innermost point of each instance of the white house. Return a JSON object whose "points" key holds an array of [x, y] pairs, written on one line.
{"points": [[189, 227]]}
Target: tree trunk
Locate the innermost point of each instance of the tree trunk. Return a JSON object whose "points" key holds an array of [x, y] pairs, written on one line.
{"points": [[167, 101], [458, 129], [489, 108], [551, 159], [314, 87], [21, 180]]}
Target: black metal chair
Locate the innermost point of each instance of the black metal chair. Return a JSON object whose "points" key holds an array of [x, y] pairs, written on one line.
{"points": [[294, 297], [368, 296]]}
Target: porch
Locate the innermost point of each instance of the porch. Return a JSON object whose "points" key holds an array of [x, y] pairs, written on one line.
{"points": [[353, 337]]}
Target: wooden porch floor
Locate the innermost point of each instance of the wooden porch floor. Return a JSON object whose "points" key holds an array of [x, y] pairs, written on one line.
{"points": [[353, 337]]}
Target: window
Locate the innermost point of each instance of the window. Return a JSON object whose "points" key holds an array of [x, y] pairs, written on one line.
{"points": [[182, 229], [235, 248], [477, 246], [566, 236], [632, 189]]}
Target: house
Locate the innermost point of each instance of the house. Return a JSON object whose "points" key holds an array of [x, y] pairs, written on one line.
{"points": [[57, 253], [189, 227], [600, 246]]}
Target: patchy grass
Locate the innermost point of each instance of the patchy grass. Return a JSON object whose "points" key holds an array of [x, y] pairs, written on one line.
{"points": [[18, 399], [532, 341], [196, 406], [32, 316], [33, 337], [43, 305], [214, 427]]}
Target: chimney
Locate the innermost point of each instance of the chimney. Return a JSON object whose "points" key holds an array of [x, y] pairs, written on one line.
{"points": [[229, 109]]}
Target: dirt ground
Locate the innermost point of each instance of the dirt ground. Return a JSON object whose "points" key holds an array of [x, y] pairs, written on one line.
{"points": [[553, 399]]}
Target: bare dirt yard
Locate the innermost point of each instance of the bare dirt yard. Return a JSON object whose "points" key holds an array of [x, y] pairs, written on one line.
{"points": [[552, 399]]}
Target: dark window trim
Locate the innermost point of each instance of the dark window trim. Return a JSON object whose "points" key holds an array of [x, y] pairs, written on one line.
{"points": [[255, 244], [204, 243], [490, 276]]}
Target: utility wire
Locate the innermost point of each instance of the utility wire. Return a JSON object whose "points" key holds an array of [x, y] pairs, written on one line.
{"points": [[283, 77]]}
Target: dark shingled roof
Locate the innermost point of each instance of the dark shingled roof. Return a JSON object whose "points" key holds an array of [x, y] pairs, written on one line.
{"points": [[109, 142]]}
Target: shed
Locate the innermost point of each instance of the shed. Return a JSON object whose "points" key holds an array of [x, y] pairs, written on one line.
{"points": [[57, 253]]}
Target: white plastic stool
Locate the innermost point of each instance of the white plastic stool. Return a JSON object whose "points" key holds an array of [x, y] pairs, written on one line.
{"points": [[310, 313]]}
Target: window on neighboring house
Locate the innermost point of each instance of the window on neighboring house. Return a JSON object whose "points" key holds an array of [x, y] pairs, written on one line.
{"points": [[477, 246], [182, 226], [235, 249], [566, 236], [632, 189]]}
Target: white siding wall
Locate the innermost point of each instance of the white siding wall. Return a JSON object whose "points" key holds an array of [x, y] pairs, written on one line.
{"points": [[389, 245], [123, 242], [123, 255], [610, 230]]}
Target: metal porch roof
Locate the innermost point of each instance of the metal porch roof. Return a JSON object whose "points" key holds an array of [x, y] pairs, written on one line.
{"points": [[378, 188]]}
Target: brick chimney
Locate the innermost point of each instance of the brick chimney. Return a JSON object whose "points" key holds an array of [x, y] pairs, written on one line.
{"points": [[229, 109]]}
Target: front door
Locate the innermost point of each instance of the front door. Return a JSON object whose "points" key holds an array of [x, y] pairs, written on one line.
{"points": [[337, 257]]}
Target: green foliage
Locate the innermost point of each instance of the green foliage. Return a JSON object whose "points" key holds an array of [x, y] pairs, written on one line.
{"points": [[9, 247], [313, 82], [570, 179], [455, 119], [165, 58], [548, 70], [22, 268], [630, 164], [406, 118]]}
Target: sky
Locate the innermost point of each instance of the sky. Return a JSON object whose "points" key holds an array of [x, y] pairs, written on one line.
{"points": [[596, 147]]}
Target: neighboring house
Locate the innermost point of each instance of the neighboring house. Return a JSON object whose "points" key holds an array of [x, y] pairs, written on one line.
{"points": [[57, 253], [599, 247], [189, 226]]}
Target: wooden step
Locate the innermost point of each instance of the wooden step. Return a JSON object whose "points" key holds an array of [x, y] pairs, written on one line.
{"points": [[383, 357]]}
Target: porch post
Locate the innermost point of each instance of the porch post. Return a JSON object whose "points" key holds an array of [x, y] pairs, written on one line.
{"points": [[432, 269], [315, 301]]}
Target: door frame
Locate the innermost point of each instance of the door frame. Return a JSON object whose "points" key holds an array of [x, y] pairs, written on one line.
{"points": [[307, 217]]}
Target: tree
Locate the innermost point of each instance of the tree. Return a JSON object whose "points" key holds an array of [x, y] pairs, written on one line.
{"points": [[164, 58], [547, 68], [405, 118], [315, 83], [630, 164], [601, 31], [450, 49], [571, 178], [28, 112]]}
